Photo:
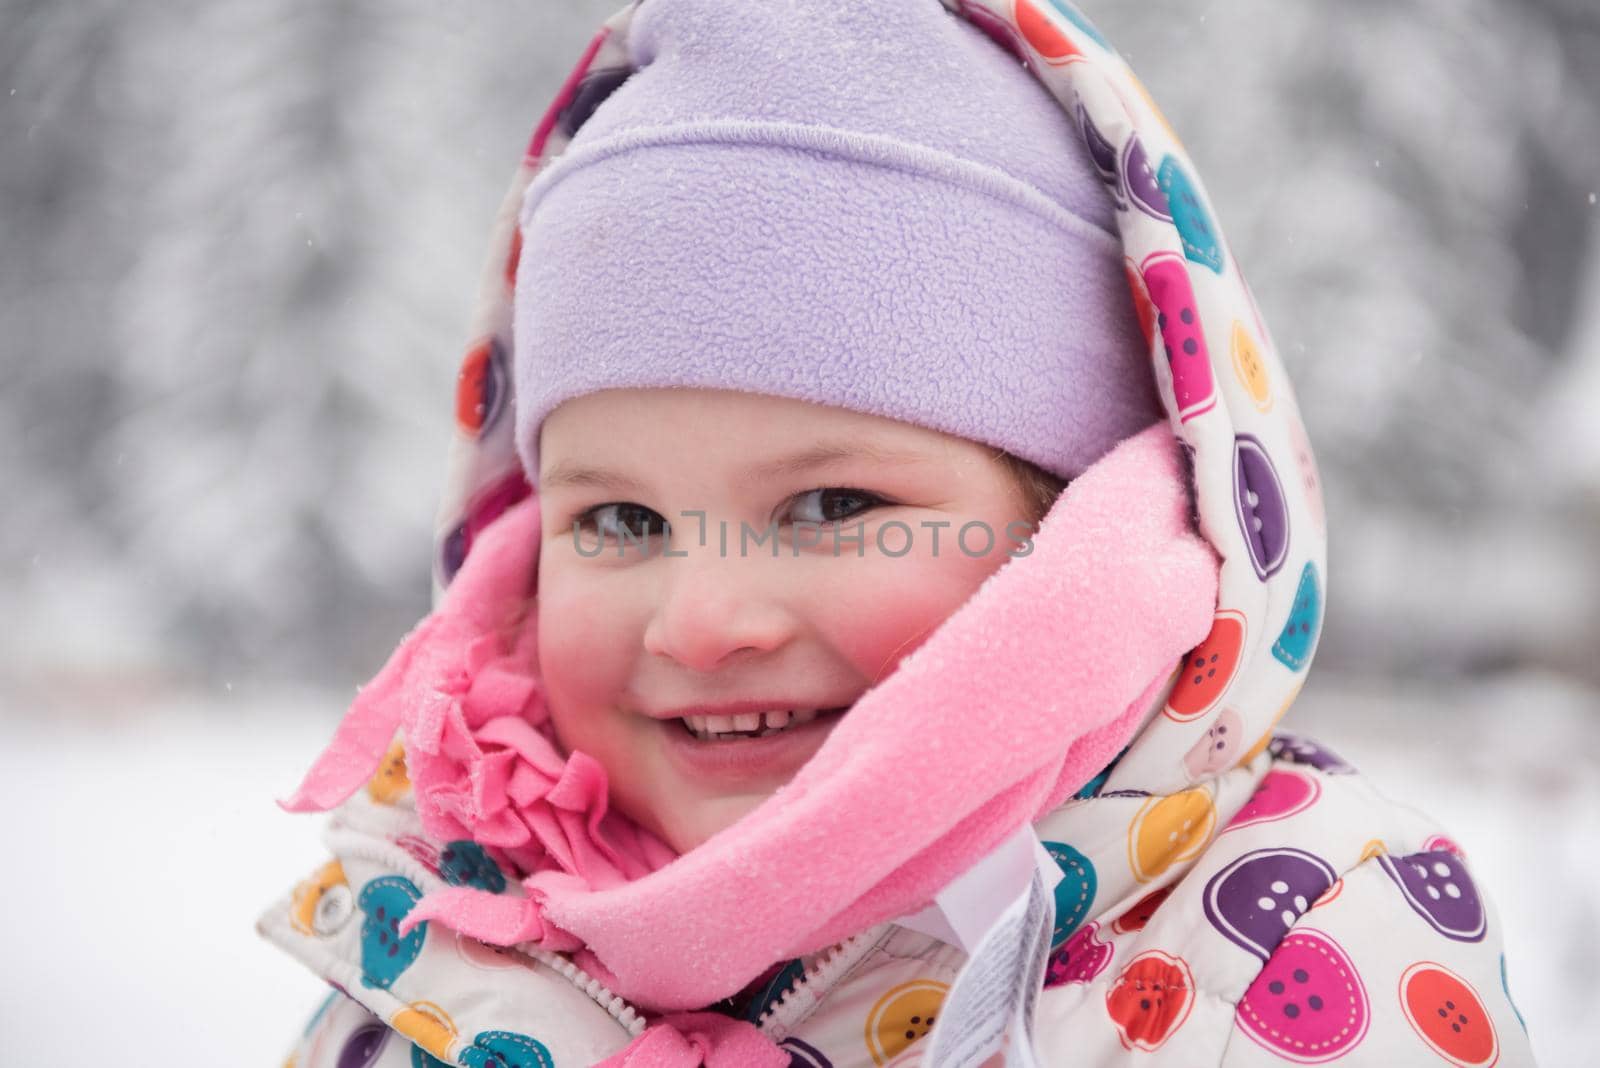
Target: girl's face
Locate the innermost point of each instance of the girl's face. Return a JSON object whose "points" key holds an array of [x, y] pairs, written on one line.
{"points": [[702, 680]]}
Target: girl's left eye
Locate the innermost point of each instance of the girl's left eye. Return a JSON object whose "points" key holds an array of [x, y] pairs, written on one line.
{"points": [[832, 504]]}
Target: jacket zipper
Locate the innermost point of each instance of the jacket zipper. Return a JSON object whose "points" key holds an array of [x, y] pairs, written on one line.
{"points": [[376, 826], [809, 987], [620, 1010], [775, 1021]]}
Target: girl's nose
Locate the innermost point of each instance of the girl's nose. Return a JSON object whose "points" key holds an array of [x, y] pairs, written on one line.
{"points": [[711, 609]]}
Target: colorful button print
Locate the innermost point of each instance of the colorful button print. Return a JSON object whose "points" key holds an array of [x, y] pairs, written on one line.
{"points": [[1301, 750], [1082, 958], [505, 1049], [1446, 1012], [426, 1025], [1137, 917], [390, 782], [384, 953], [466, 863], [481, 386], [1043, 34], [1438, 888], [1308, 1003], [1281, 793], [1168, 831], [1251, 367], [362, 1048], [1075, 891], [1218, 748], [322, 904], [1200, 242], [1178, 319], [1139, 180], [1298, 639], [903, 1015], [1259, 506], [1150, 1000], [1255, 900], [1208, 669]]}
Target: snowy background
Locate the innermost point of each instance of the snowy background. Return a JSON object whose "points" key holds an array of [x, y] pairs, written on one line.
{"points": [[238, 242]]}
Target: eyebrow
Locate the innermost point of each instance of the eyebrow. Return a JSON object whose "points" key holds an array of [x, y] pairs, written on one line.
{"points": [[571, 474]]}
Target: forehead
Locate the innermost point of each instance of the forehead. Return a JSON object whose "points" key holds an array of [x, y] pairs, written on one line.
{"points": [[765, 436], [626, 440], [640, 444]]}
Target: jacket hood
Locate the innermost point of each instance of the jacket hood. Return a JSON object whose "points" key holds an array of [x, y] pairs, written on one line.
{"points": [[1168, 614], [1252, 474]]}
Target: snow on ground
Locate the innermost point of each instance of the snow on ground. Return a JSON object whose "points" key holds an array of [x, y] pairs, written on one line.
{"points": [[149, 843]]}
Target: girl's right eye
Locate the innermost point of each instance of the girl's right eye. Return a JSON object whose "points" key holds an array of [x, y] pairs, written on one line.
{"points": [[615, 522]]}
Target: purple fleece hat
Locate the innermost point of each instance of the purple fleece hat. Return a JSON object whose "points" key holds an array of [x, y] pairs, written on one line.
{"points": [[781, 200]]}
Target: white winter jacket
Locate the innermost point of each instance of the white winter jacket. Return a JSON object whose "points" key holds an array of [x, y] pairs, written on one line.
{"points": [[1302, 918]]}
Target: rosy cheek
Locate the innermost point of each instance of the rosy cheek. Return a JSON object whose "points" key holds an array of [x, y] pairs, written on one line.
{"points": [[584, 656], [893, 605]]}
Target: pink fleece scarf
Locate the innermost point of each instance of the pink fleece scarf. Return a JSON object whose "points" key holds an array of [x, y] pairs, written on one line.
{"points": [[1066, 647]]}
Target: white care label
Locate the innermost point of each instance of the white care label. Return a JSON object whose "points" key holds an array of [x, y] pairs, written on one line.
{"points": [[1001, 912]]}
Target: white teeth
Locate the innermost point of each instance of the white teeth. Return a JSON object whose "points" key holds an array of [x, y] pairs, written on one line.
{"points": [[710, 728]]}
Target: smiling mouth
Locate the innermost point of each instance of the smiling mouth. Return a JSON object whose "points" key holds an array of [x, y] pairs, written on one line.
{"points": [[754, 724]]}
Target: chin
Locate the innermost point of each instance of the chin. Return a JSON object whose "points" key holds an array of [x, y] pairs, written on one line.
{"points": [[689, 825]]}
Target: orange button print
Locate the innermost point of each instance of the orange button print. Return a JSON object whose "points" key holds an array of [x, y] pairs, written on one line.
{"points": [[1168, 831], [1250, 367], [1044, 35], [308, 912], [390, 782]]}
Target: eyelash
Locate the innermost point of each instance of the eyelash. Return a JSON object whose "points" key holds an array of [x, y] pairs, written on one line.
{"points": [[589, 517]]}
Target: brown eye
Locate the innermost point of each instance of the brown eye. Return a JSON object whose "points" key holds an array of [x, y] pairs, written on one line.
{"points": [[832, 504]]}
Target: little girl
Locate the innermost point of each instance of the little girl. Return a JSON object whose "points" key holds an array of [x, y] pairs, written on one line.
{"points": [[880, 543]]}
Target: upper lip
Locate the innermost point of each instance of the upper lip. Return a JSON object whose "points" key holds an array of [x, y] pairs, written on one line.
{"points": [[735, 708]]}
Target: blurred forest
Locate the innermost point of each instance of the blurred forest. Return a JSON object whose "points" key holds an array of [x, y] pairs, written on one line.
{"points": [[241, 239]]}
